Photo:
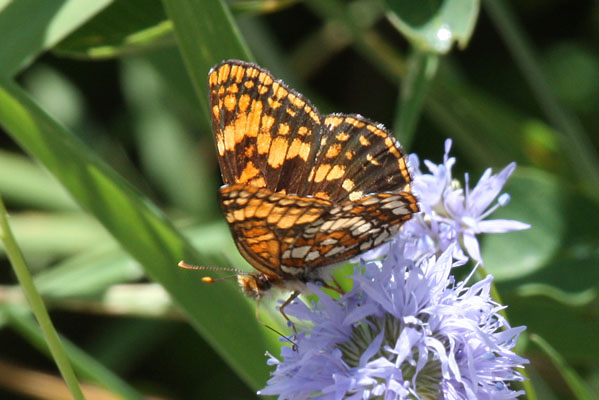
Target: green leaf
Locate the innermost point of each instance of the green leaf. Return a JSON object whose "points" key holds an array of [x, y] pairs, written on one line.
{"points": [[88, 273], [571, 330], [38, 307], [562, 232], [434, 25], [176, 154], [575, 143], [144, 232], [57, 234], [33, 26], [134, 26], [57, 94], [530, 249], [577, 299], [179, 90], [106, 264], [123, 28], [489, 132]]}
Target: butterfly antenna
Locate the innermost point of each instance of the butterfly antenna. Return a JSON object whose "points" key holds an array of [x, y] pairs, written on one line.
{"points": [[208, 279]]}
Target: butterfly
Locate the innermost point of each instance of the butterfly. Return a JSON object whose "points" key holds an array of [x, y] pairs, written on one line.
{"points": [[302, 191]]}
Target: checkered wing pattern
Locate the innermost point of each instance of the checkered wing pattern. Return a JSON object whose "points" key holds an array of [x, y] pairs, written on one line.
{"points": [[356, 158], [265, 132], [302, 190]]}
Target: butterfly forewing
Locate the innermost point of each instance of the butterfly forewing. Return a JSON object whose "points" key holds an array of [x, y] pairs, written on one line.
{"points": [[265, 132], [356, 158]]}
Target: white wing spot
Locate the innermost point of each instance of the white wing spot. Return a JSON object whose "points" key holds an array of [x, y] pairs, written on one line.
{"points": [[362, 229], [329, 241], [381, 238], [372, 200], [355, 195], [327, 225], [394, 204], [400, 211], [315, 227], [366, 245], [336, 210], [300, 252], [291, 270], [335, 250]]}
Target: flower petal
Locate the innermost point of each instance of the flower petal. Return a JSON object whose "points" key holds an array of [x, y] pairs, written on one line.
{"points": [[501, 226]]}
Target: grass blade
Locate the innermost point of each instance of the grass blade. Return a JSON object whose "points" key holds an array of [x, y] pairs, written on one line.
{"points": [[37, 305], [574, 381], [576, 143], [206, 35], [422, 69]]}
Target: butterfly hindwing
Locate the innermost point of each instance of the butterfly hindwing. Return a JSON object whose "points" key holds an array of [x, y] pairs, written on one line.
{"points": [[349, 229]]}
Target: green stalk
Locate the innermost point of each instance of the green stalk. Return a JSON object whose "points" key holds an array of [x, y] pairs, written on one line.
{"points": [[576, 143], [422, 68], [574, 381], [37, 305], [367, 42]]}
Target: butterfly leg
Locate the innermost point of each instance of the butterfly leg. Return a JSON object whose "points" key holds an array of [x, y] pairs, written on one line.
{"points": [[270, 327], [292, 297], [335, 287], [339, 289]]}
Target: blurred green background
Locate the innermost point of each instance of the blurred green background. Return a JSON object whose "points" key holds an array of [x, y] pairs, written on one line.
{"points": [[108, 170]]}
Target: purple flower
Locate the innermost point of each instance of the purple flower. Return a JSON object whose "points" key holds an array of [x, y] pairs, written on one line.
{"points": [[405, 331], [454, 215]]}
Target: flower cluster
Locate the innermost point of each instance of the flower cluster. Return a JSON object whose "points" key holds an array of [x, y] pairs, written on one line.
{"points": [[407, 329], [452, 215]]}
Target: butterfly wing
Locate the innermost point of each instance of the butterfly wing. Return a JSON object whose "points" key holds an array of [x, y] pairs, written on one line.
{"points": [[302, 191], [349, 229], [265, 223], [265, 132], [291, 233], [356, 157]]}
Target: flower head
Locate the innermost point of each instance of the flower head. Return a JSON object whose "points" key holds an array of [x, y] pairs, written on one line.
{"points": [[452, 215], [405, 331]]}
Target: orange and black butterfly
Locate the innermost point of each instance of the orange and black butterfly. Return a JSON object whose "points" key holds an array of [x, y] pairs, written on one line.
{"points": [[302, 191]]}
